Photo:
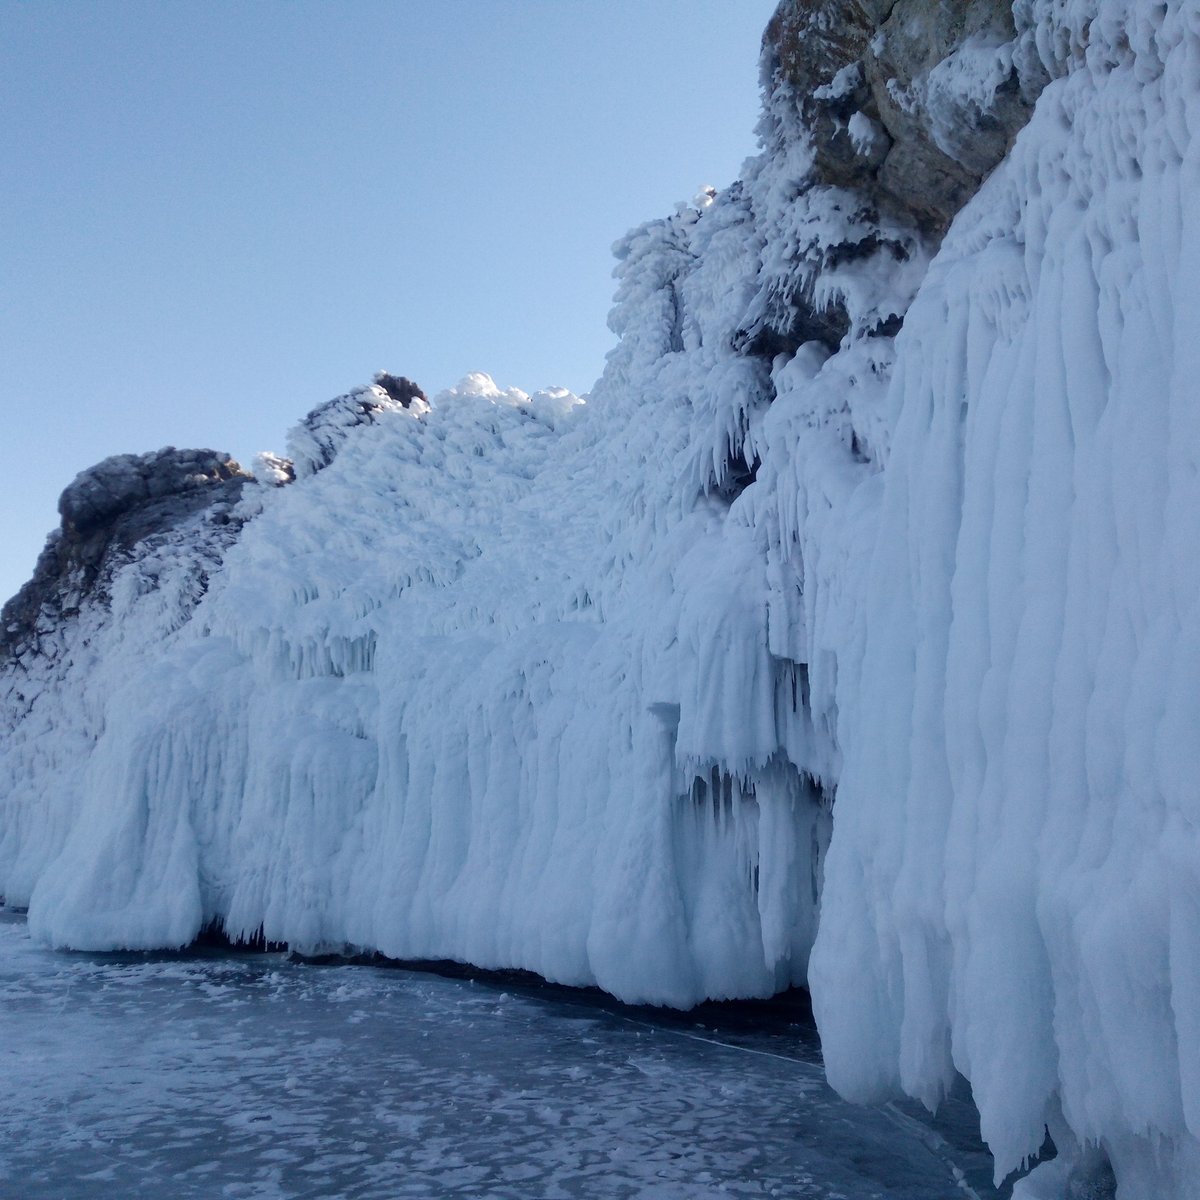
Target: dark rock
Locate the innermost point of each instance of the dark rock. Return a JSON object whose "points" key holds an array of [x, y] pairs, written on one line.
{"points": [[108, 512], [399, 388], [127, 506], [816, 50], [125, 482], [906, 105], [923, 144]]}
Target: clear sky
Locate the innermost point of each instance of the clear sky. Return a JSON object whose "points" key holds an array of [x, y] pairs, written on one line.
{"points": [[215, 215]]}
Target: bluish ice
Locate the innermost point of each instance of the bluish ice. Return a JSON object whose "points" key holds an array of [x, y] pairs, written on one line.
{"points": [[256, 1076]]}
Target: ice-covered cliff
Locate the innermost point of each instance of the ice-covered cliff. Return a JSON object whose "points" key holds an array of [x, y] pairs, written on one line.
{"points": [[855, 615]]}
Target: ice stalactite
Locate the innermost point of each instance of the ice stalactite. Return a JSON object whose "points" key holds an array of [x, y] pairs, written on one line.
{"points": [[1012, 876]]}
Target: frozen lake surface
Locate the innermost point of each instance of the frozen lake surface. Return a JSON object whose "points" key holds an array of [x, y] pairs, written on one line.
{"points": [[253, 1076]]}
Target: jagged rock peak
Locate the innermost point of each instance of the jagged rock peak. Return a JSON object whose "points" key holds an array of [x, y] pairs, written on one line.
{"points": [[314, 443], [125, 481], [912, 102], [399, 388], [111, 514]]}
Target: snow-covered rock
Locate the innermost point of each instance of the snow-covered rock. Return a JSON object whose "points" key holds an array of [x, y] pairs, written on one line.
{"points": [[112, 513], [911, 103]]}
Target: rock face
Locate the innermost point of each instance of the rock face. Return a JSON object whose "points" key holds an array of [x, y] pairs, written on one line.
{"points": [[400, 388], [911, 102], [108, 513], [127, 485], [880, 122]]}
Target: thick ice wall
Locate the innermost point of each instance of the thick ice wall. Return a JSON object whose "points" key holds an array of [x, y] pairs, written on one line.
{"points": [[1011, 887], [569, 683], [417, 547], [398, 720]]}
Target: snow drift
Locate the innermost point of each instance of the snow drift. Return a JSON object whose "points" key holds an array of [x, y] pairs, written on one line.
{"points": [[584, 688]]}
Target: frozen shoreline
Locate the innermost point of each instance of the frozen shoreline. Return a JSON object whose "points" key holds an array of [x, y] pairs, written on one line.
{"points": [[227, 1074]]}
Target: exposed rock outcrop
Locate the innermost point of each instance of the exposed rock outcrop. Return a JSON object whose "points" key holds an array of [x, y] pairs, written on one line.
{"points": [[129, 505], [108, 513], [400, 388], [911, 102], [881, 118]]}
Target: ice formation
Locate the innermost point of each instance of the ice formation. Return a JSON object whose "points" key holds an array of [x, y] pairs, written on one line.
{"points": [[796, 616]]}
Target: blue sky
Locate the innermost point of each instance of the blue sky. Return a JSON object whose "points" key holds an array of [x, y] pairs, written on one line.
{"points": [[214, 216]]}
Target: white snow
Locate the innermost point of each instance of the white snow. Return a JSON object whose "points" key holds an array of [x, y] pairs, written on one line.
{"points": [[865, 133], [528, 682], [964, 85], [841, 85]]}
